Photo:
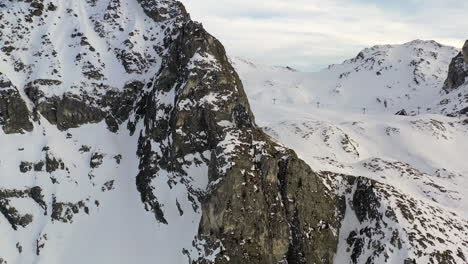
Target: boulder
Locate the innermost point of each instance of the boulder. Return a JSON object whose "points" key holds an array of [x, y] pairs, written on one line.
{"points": [[458, 71], [402, 112]]}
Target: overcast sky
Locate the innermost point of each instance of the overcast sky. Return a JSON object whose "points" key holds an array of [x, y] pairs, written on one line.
{"points": [[311, 34]]}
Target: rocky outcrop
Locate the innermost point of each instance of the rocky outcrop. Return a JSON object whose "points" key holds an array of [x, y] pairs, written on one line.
{"points": [[162, 10], [465, 52], [11, 214], [64, 212], [458, 71], [258, 207], [71, 110], [402, 112], [14, 114], [272, 210]]}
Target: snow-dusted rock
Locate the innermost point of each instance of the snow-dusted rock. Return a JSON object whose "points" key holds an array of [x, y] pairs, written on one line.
{"points": [[127, 137]]}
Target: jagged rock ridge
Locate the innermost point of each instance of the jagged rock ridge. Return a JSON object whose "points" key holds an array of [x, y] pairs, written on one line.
{"points": [[457, 73]]}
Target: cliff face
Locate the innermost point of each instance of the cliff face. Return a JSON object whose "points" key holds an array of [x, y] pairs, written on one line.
{"points": [[262, 204], [455, 86], [465, 52], [458, 70], [119, 78], [14, 115]]}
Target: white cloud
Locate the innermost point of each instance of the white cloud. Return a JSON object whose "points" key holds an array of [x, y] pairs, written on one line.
{"points": [[309, 34]]}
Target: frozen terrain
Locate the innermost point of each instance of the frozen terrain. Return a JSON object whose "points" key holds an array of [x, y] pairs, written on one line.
{"points": [[73, 193], [127, 137]]}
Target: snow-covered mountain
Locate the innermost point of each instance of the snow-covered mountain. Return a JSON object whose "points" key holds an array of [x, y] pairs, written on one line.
{"points": [[127, 137], [381, 78], [410, 204]]}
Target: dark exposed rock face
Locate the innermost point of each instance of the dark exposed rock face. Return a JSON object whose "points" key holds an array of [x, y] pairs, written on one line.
{"points": [[458, 71], [402, 112], [365, 202], [278, 212], [456, 84], [71, 111], [162, 10], [257, 201], [465, 52], [14, 114]]}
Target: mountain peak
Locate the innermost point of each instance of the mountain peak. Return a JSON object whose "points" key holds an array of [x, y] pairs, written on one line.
{"points": [[419, 42], [380, 78]]}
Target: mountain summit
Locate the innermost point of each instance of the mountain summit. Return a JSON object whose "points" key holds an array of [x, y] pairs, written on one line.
{"points": [[381, 78]]}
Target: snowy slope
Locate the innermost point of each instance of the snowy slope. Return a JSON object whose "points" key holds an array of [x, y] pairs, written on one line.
{"points": [[128, 138], [74, 192], [416, 164], [405, 76], [110, 224]]}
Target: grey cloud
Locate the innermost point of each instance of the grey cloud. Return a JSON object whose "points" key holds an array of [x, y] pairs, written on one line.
{"points": [[310, 34]]}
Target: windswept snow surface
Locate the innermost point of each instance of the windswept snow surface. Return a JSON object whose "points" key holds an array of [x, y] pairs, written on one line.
{"points": [[88, 209], [116, 228], [87, 38], [407, 76], [342, 120]]}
